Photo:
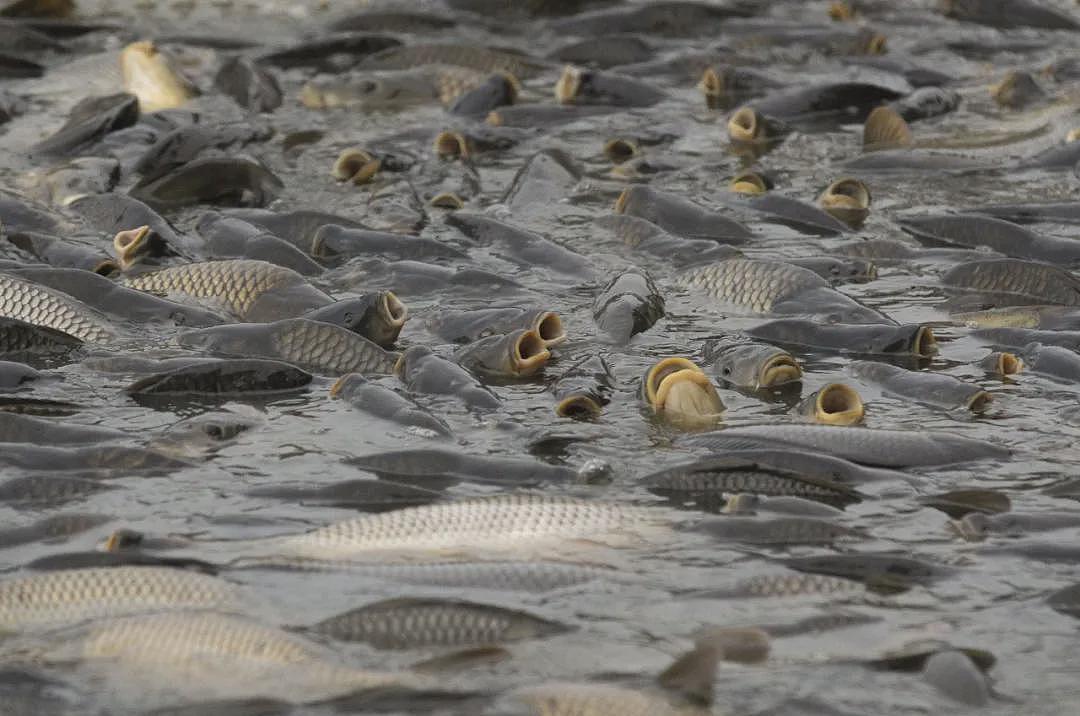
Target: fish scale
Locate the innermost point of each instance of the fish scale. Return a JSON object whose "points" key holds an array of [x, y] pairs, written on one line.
{"points": [[752, 481], [331, 347], [791, 585], [43, 306], [485, 524], [75, 595], [236, 283], [752, 284]]}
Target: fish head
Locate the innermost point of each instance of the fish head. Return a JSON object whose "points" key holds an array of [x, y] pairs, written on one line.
{"points": [[153, 77], [452, 145], [356, 165]]}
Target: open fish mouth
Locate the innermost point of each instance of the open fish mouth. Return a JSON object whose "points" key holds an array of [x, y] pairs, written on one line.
{"points": [[568, 85], [549, 327], [838, 404], [579, 407], [678, 389], [529, 353], [619, 150], [356, 165], [392, 310], [1008, 364], [745, 126], [452, 145], [750, 183], [779, 370], [980, 402], [924, 344], [130, 245]]}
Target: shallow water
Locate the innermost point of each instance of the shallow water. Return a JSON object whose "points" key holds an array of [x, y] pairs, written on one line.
{"points": [[631, 626]]}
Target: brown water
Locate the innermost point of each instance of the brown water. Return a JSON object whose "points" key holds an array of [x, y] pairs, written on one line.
{"points": [[994, 603]]}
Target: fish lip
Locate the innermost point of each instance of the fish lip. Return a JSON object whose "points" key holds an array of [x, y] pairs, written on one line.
{"points": [[779, 370], [748, 183], [1009, 363], [355, 165], [620, 149], [877, 44], [743, 125], [130, 243], [980, 401], [568, 85], [452, 145], [924, 344], [578, 407], [393, 310], [671, 390], [712, 86], [846, 193], [447, 200], [549, 326], [838, 404], [513, 84], [661, 370], [341, 383], [106, 267], [622, 201], [529, 354], [1072, 136]]}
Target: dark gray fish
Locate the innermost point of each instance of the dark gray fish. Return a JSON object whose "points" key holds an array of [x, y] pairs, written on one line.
{"points": [[113, 213], [411, 623], [1017, 90], [976, 526], [42, 490], [584, 388], [470, 326], [84, 560], [1018, 338], [876, 570], [854, 100], [1059, 212], [819, 623], [679, 216], [707, 480], [224, 181], [363, 495], [727, 86], [954, 674], [646, 237], [525, 248], [64, 253], [223, 379], [89, 121], [779, 531], [187, 143], [424, 372], [1003, 237], [1039, 282], [103, 460], [42, 407], [894, 251], [232, 238], [251, 86], [926, 103], [629, 304], [911, 339], [13, 375], [605, 52], [329, 53], [666, 19], [882, 448], [1008, 14], [469, 56], [546, 177], [1060, 157], [607, 89], [432, 465], [388, 404], [414, 278], [297, 227], [26, 429], [799, 215], [957, 503], [750, 365], [337, 244], [1054, 362], [52, 529], [518, 354], [934, 389], [784, 585], [496, 91], [824, 467], [314, 345], [533, 116], [916, 161], [21, 338], [120, 301], [1066, 600], [837, 270], [13, 67], [63, 184]]}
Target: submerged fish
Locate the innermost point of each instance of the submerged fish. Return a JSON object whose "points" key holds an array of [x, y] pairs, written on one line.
{"points": [[223, 378], [750, 365], [935, 389], [584, 388], [1017, 280], [382, 402], [629, 304], [43, 306]]}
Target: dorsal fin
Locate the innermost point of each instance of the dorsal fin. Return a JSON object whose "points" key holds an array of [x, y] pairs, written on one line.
{"points": [[692, 675], [885, 129]]}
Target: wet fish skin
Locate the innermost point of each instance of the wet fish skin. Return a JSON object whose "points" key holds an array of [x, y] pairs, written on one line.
{"points": [[646, 237], [838, 271], [911, 339], [525, 247], [582, 86], [1018, 338], [792, 105], [935, 389], [785, 585], [329, 53], [410, 623], [497, 90], [799, 215], [317, 346], [70, 596], [874, 569], [252, 87], [750, 365], [382, 402], [471, 57], [1001, 236], [26, 429], [428, 465], [547, 176], [423, 371], [926, 103], [337, 243], [184, 144], [1045, 283], [1008, 14], [390, 89], [52, 529], [777, 531], [680, 217], [1054, 362], [223, 378], [251, 290], [365, 495], [226, 181], [629, 304], [51, 490], [43, 306], [470, 326], [751, 284], [518, 354], [377, 316], [584, 388], [89, 121]]}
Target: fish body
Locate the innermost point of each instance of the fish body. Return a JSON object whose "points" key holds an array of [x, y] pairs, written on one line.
{"points": [[935, 389], [1021, 280], [630, 304], [43, 306]]}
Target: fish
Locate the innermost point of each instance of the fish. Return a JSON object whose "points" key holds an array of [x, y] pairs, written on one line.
{"points": [[583, 86], [431, 466], [954, 674], [1018, 338], [646, 237], [833, 404], [412, 623], [252, 87], [778, 531], [1002, 364], [383, 402], [88, 122], [679, 216], [799, 215], [583, 389], [223, 378], [390, 89], [518, 354], [1017, 90], [1016, 280], [725, 86], [48, 490], [470, 326], [548, 176], [26, 429], [249, 290], [313, 345], [225, 181], [422, 371], [335, 243], [13, 375], [522, 523], [784, 585], [875, 447], [1053, 318], [42, 306], [471, 56], [848, 200], [1003, 237], [751, 365], [53, 529], [664, 19], [629, 304], [1055, 362], [876, 570], [839, 270], [678, 391], [926, 103], [377, 316], [934, 389], [1006, 14], [39, 602], [1066, 600], [499, 89], [525, 248], [151, 75], [910, 339], [364, 495], [329, 52]]}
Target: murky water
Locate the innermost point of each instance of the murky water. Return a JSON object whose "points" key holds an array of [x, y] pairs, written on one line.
{"points": [[635, 624]]}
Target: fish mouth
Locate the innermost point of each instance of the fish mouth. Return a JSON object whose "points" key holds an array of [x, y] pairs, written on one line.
{"points": [[122, 539], [876, 45], [513, 85], [713, 85], [838, 404], [979, 402], [1072, 136], [452, 145], [447, 200], [622, 201], [619, 150], [341, 383], [130, 244], [660, 371], [549, 327], [848, 200], [741, 503], [356, 165], [778, 370], [529, 354], [106, 267], [688, 396], [392, 311], [149, 76], [744, 125], [749, 183], [568, 85], [1009, 364], [578, 407], [399, 367], [841, 11], [972, 526], [925, 344]]}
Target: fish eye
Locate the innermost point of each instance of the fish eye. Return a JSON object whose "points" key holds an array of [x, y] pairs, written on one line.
{"points": [[213, 430], [178, 318]]}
